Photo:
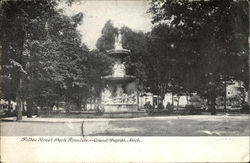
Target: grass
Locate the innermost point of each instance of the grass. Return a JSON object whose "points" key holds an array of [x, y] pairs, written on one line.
{"points": [[188, 125], [197, 125]]}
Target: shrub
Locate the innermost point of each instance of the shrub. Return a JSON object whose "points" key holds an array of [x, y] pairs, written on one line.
{"points": [[191, 109], [148, 107], [160, 106], [245, 108], [99, 110]]}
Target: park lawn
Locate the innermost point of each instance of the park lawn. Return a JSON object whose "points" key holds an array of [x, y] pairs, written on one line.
{"points": [[196, 125], [190, 125]]}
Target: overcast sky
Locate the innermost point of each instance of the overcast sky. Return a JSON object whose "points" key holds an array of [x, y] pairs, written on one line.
{"points": [[96, 13]]}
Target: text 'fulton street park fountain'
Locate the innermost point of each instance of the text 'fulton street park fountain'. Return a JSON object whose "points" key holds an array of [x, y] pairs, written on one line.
{"points": [[120, 90]]}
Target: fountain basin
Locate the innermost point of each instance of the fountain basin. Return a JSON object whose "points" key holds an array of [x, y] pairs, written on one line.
{"points": [[118, 51], [125, 78], [120, 94], [120, 107]]}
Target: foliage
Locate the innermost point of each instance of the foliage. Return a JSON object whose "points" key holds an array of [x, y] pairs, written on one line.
{"points": [[15, 17], [43, 58], [99, 64], [58, 63], [212, 49], [135, 41], [162, 67], [107, 39]]}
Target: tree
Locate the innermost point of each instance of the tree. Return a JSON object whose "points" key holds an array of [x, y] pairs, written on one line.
{"points": [[135, 41], [43, 57], [107, 39], [15, 16], [99, 65], [209, 36], [58, 62], [162, 68]]}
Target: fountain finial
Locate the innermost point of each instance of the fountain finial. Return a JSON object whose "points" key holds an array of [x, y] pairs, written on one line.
{"points": [[118, 41], [118, 51]]}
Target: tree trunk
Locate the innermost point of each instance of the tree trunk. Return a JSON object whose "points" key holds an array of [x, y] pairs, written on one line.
{"points": [[178, 101], [225, 97], [85, 107], [172, 99], [19, 108], [9, 106], [187, 99], [29, 109], [47, 108], [20, 80], [79, 104], [212, 107]]}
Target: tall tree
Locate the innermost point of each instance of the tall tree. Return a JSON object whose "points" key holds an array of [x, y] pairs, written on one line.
{"points": [[15, 17], [107, 39], [209, 34], [163, 70], [58, 63], [43, 57], [99, 65], [135, 41]]}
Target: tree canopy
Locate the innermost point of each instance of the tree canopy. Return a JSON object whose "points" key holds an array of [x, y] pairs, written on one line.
{"points": [[43, 59], [107, 38], [212, 48], [194, 46]]}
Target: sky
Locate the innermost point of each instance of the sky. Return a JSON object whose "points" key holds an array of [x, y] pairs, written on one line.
{"points": [[122, 12]]}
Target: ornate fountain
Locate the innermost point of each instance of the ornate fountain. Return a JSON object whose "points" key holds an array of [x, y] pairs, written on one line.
{"points": [[120, 90]]}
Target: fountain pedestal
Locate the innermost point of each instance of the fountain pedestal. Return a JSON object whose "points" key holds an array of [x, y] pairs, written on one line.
{"points": [[120, 90], [120, 107]]}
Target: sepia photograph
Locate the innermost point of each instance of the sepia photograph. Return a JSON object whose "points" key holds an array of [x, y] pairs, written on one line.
{"points": [[124, 68]]}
